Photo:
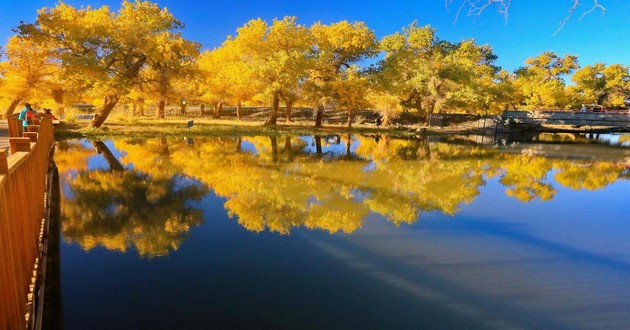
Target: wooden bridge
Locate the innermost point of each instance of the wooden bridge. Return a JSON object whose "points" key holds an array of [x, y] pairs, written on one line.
{"points": [[618, 119], [24, 180]]}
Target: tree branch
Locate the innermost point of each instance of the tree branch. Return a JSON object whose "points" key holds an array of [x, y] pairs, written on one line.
{"points": [[572, 9], [477, 7]]}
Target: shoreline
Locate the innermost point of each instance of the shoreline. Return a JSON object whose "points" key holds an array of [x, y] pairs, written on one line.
{"points": [[223, 127]]}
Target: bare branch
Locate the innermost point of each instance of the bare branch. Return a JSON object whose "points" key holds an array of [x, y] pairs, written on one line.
{"points": [[596, 5], [571, 10], [476, 7]]}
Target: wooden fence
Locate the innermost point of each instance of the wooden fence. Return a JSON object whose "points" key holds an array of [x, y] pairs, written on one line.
{"points": [[23, 177]]}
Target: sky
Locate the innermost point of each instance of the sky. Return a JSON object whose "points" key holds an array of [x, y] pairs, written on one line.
{"points": [[528, 32]]}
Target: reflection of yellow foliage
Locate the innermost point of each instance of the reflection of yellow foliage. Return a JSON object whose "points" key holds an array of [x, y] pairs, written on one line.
{"points": [[71, 156], [593, 177], [525, 175], [281, 186], [118, 210]]}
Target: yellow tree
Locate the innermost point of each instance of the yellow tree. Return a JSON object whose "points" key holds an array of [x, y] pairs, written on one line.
{"points": [[30, 69], [337, 47], [277, 55], [540, 80], [350, 92], [239, 74], [157, 79], [105, 51], [601, 84], [430, 75], [386, 104], [214, 84]]}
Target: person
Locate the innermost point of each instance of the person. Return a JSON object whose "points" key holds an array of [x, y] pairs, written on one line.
{"points": [[49, 114], [27, 114], [583, 108]]}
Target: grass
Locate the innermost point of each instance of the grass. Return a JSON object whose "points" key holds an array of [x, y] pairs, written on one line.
{"points": [[214, 127]]}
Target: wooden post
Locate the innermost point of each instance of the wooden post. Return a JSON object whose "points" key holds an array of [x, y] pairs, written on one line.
{"points": [[4, 165], [31, 135], [20, 144]]}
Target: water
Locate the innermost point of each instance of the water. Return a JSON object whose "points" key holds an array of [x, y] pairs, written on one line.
{"points": [[345, 231]]}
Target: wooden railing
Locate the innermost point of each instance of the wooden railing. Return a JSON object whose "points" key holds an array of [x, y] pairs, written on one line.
{"points": [[23, 177]]}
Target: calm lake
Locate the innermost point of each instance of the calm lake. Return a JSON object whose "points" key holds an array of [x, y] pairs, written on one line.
{"points": [[341, 231]]}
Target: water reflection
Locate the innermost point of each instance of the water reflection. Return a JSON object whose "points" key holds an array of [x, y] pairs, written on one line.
{"points": [[119, 207], [139, 193]]}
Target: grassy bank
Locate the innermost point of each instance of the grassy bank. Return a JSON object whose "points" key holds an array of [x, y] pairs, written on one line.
{"points": [[214, 127]]}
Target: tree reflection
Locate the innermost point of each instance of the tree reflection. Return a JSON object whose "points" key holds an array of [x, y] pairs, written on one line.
{"points": [[120, 208], [281, 182]]}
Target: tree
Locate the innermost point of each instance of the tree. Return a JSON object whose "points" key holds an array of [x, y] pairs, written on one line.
{"points": [[617, 84], [30, 69], [105, 51], [386, 104], [214, 81], [177, 64], [350, 92], [429, 75], [540, 80], [337, 47], [601, 84], [277, 55]]}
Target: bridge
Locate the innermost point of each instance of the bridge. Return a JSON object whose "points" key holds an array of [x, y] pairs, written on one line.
{"points": [[612, 120]]}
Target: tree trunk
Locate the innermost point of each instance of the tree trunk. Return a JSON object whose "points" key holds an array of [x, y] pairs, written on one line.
{"points": [[348, 145], [424, 150], [58, 95], [159, 114], [238, 110], [239, 142], [274, 109], [350, 118], [319, 115], [99, 118], [182, 109], [165, 151], [385, 119], [217, 109], [318, 145], [12, 107], [289, 105], [141, 107], [287, 147], [430, 111], [274, 147]]}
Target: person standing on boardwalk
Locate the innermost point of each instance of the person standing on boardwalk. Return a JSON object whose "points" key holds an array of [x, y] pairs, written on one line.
{"points": [[27, 114], [48, 113]]}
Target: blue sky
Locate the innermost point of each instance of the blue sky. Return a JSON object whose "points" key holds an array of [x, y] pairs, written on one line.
{"points": [[529, 30]]}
